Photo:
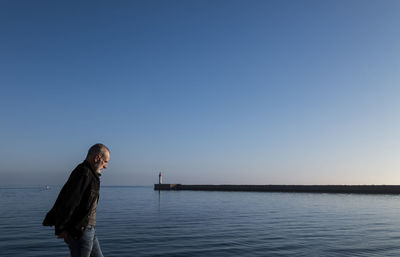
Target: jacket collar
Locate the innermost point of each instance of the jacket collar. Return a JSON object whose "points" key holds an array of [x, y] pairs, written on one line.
{"points": [[87, 164]]}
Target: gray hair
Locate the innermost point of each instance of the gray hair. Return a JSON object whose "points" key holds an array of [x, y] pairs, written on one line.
{"points": [[97, 149]]}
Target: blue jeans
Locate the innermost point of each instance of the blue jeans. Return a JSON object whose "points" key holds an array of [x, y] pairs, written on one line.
{"points": [[86, 246]]}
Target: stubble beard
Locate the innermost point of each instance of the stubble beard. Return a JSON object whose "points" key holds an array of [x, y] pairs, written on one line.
{"points": [[97, 169]]}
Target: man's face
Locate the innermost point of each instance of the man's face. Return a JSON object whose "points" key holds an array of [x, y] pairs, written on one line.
{"points": [[101, 162]]}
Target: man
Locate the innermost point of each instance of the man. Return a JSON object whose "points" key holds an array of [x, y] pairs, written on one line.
{"points": [[74, 212]]}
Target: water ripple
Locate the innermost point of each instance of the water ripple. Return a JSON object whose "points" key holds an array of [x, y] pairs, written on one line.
{"points": [[137, 221]]}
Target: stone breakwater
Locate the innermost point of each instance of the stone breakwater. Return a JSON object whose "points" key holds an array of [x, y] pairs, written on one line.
{"points": [[345, 189]]}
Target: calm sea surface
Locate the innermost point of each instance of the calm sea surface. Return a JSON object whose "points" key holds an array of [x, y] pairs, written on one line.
{"points": [[137, 221]]}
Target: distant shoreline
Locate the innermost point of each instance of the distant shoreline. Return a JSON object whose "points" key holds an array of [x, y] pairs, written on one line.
{"points": [[344, 189]]}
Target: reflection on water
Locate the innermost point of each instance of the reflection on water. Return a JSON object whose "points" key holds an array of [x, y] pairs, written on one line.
{"points": [[138, 221]]}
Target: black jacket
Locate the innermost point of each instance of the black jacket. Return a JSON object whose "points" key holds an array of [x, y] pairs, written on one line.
{"points": [[72, 207]]}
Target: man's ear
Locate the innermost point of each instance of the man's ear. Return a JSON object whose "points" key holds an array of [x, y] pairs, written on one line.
{"points": [[96, 158]]}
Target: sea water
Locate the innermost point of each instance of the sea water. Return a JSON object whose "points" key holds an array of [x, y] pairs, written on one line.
{"points": [[138, 221]]}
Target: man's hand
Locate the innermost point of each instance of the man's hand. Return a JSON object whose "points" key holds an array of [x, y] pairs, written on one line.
{"points": [[62, 235]]}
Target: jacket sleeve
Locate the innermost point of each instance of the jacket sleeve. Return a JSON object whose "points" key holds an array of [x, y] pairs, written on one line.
{"points": [[69, 198]]}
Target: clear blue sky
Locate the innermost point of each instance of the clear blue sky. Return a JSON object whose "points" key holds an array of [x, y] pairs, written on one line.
{"points": [[241, 92]]}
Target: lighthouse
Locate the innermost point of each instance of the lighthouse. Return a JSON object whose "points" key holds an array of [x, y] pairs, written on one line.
{"points": [[160, 178]]}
